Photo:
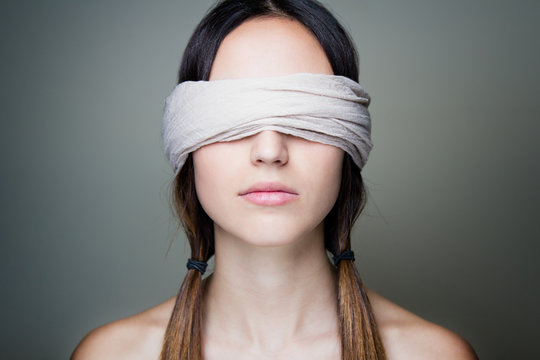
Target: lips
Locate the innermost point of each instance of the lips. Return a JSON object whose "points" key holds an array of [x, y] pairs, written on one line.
{"points": [[269, 194]]}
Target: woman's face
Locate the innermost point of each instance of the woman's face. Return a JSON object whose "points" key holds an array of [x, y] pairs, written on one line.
{"points": [[269, 188]]}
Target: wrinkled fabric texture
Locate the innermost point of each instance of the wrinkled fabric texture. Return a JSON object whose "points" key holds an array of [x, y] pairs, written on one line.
{"points": [[328, 109]]}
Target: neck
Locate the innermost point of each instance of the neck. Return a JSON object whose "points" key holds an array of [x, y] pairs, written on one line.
{"points": [[267, 298]]}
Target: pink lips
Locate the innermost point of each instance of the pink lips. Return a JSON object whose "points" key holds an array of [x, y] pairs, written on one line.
{"points": [[269, 194]]}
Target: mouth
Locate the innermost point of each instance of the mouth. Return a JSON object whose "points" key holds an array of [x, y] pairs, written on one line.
{"points": [[269, 194]]}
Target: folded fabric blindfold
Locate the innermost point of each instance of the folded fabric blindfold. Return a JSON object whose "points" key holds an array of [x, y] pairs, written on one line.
{"points": [[328, 109]]}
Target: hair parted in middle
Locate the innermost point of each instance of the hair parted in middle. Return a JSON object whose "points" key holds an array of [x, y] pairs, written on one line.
{"points": [[360, 338]]}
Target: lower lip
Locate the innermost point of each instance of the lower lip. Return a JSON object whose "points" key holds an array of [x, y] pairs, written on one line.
{"points": [[269, 198]]}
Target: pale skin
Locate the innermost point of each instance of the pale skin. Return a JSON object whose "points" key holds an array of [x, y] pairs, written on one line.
{"points": [[272, 294]]}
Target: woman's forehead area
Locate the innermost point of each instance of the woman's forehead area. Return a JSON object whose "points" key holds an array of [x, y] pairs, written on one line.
{"points": [[267, 47]]}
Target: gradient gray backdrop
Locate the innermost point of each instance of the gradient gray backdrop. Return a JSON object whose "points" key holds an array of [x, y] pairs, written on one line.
{"points": [[451, 231]]}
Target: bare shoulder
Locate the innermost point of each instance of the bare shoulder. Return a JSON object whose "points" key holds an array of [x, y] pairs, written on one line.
{"points": [[408, 336], [136, 337]]}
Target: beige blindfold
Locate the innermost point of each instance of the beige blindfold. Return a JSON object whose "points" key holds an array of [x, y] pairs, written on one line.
{"points": [[328, 109]]}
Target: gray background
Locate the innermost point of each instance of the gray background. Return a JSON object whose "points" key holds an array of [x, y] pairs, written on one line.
{"points": [[451, 231]]}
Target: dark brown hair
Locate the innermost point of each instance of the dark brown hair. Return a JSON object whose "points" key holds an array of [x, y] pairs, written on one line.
{"points": [[359, 335]]}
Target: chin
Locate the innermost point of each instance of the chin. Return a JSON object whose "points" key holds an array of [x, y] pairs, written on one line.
{"points": [[274, 235], [268, 236], [269, 230]]}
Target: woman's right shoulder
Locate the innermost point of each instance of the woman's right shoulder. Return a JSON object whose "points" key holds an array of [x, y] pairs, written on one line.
{"points": [[136, 337]]}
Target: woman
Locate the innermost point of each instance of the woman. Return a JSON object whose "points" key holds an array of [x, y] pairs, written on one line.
{"points": [[268, 200]]}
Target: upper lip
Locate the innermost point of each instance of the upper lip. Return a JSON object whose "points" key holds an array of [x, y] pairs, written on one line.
{"points": [[268, 187]]}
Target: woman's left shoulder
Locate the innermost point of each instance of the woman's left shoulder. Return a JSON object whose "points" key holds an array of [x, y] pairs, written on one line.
{"points": [[408, 336]]}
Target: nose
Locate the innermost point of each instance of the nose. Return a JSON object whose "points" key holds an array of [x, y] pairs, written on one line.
{"points": [[269, 148]]}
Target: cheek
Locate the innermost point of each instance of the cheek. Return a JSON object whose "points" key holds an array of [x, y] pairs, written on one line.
{"points": [[332, 165], [332, 177], [325, 167], [206, 165], [216, 172]]}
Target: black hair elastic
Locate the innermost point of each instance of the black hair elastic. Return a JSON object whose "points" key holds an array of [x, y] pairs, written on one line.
{"points": [[346, 255], [197, 265]]}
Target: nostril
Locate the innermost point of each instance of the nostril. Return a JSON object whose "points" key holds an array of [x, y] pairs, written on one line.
{"points": [[263, 161]]}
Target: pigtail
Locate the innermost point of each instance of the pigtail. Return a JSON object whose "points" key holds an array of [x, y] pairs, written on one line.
{"points": [[360, 339], [359, 335], [183, 337]]}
